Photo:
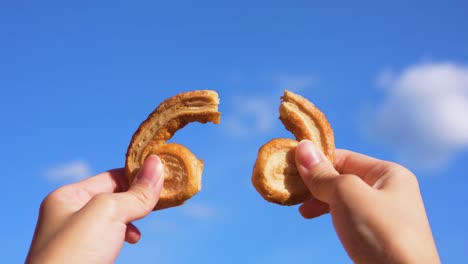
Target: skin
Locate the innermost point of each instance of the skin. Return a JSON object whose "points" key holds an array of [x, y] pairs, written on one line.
{"points": [[88, 221], [376, 206]]}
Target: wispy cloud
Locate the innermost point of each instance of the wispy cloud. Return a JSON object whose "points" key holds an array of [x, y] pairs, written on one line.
{"points": [[295, 82], [170, 222], [258, 114], [158, 225], [252, 115], [424, 115], [68, 172], [199, 211]]}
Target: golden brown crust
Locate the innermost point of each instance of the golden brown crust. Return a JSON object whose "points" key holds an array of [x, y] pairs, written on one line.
{"points": [[182, 172], [306, 121], [181, 166], [275, 175]]}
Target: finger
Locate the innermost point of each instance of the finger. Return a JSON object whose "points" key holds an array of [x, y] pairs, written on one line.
{"points": [[313, 208], [144, 192], [132, 234], [349, 162], [106, 182], [367, 168], [316, 170]]}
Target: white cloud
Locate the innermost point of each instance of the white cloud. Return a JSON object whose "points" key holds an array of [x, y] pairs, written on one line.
{"points": [[69, 172], [424, 115], [160, 226], [252, 115], [295, 83], [199, 211], [167, 224], [257, 115]]}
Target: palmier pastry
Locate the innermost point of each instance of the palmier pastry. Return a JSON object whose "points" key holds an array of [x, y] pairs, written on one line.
{"points": [[275, 174], [182, 169]]}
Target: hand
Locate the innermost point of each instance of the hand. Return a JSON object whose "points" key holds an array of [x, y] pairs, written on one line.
{"points": [[376, 206], [88, 221]]}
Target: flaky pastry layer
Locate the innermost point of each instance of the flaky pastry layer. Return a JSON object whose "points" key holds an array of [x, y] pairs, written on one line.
{"points": [[275, 174], [182, 177]]}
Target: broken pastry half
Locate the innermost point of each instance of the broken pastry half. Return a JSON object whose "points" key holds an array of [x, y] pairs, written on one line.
{"points": [[275, 174], [182, 169]]}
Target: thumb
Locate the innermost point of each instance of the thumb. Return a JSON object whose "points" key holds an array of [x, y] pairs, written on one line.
{"points": [[316, 170], [144, 192]]}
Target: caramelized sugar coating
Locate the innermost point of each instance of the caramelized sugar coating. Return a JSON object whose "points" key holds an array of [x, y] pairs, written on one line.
{"points": [[182, 170], [275, 174]]}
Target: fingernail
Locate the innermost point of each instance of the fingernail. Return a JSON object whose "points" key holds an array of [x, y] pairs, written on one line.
{"points": [[151, 171], [307, 154]]}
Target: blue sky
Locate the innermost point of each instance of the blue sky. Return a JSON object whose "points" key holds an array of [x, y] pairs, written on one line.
{"points": [[77, 78]]}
